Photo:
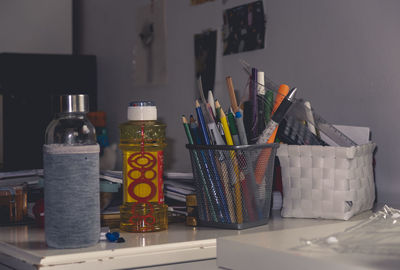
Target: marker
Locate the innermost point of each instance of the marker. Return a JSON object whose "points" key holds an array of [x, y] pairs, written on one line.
{"points": [[277, 117], [268, 135], [233, 129], [260, 83], [269, 97]]}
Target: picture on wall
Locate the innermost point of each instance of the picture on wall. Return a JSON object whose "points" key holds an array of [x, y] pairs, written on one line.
{"points": [[198, 2], [244, 28], [205, 48], [149, 52]]}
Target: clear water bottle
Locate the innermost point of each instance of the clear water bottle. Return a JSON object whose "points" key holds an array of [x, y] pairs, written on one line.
{"points": [[142, 142], [71, 173]]}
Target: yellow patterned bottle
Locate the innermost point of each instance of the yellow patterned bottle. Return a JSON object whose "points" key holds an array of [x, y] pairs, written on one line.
{"points": [[142, 141]]}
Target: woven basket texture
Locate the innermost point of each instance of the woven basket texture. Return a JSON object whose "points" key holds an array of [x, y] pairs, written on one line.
{"points": [[326, 181]]}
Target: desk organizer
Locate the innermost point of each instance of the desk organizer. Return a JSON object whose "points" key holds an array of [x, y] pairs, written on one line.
{"points": [[228, 194], [326, 181]]}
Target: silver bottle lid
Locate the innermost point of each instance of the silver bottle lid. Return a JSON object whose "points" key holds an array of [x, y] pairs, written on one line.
{"points": [[74, 103]]}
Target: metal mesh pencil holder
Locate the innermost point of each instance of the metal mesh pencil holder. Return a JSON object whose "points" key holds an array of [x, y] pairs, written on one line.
{"points": [[234, 184]]}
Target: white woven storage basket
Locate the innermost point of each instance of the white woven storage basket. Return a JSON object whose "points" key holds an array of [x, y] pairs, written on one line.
{"points": [[326, 181]]}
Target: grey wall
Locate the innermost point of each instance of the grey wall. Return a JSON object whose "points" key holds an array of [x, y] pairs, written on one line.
{"points": [[342, 55], [40, 26]]}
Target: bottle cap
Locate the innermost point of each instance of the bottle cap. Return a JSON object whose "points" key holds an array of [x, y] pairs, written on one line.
{"points": [[74, 103], [142, 110]]}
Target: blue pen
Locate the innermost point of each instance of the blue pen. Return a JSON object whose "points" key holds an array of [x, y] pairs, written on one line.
{"points": [[218, 183]]}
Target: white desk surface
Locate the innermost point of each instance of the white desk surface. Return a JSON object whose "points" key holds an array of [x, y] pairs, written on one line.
{"points": [[284, 249], [24, 247]]}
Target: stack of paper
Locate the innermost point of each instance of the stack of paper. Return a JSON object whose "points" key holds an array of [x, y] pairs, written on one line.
{"points": [[178, 185], [112, 176]]}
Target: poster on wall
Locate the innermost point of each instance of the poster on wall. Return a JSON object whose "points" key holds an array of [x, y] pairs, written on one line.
{"points": [[149, 52], [205, 49], [198, 2], [244, 28]]}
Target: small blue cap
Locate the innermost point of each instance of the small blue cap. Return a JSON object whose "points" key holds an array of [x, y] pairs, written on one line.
{"points": [[112, 237]]}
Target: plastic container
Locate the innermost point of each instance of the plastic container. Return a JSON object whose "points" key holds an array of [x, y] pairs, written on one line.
{"points": [[71, 173], [228, 195], [142, 141]]}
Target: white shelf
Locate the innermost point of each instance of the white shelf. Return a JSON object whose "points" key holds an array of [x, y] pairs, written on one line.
{"points": [[24, 247], [283, 249]]}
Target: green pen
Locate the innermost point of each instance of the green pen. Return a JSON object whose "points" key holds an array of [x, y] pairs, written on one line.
{"points": [[233, 129], [269, 104]]}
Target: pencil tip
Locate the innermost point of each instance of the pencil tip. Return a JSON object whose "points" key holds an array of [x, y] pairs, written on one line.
{"points": [[184, 120], [222, 114]]}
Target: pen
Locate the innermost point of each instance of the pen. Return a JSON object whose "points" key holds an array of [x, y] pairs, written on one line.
{"points": [[248, 166], [277, 117], [233, 129], [269, 97], [240, 127], [222, 202], [283, 90], [268, 134]]}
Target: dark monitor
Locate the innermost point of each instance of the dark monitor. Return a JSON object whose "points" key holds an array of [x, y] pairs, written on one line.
{"points": [[28, 85]]}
